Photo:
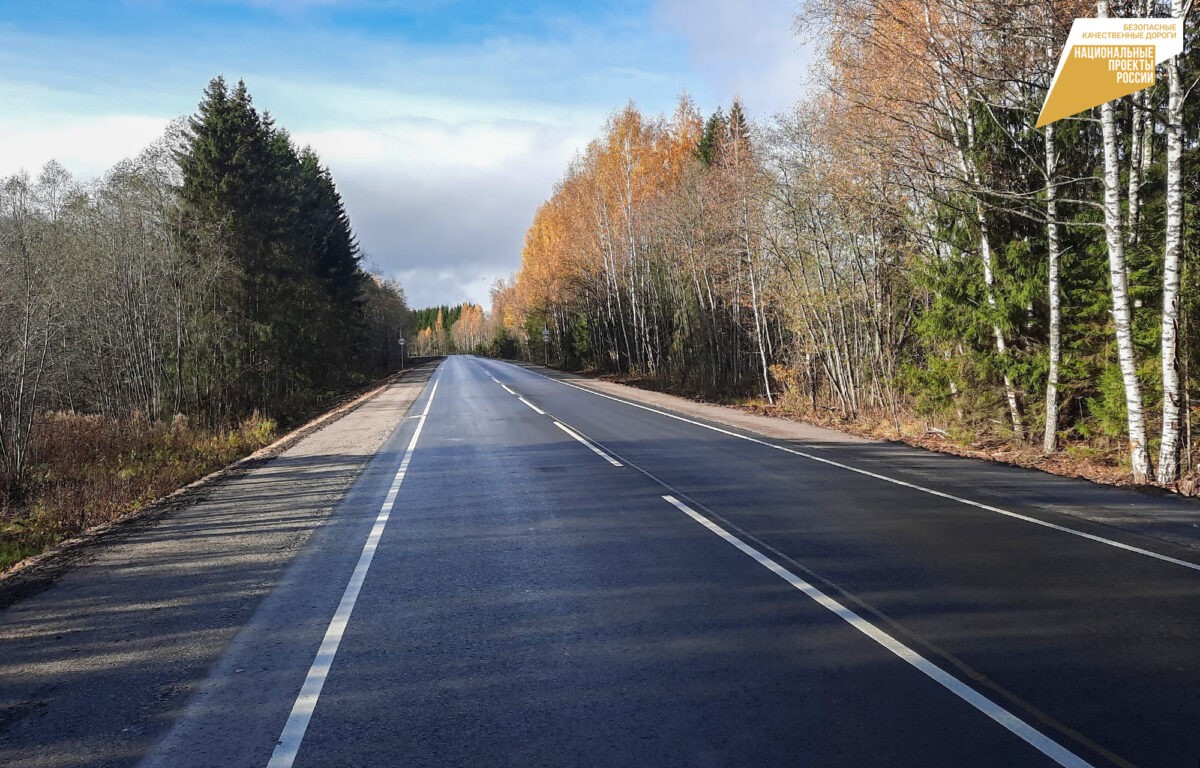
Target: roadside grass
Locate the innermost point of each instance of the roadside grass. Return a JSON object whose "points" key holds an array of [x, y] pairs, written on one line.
{"points": [[89, 470]]}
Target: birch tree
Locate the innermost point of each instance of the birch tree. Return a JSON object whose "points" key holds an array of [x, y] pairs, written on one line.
{"points": [[1050, 433], [1172, 394], [1122, 314]]}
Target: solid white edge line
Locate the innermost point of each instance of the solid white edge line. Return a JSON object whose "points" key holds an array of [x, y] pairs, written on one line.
{"points": [[306, 702], [999, 714], [894, 481], [531, 405], [588, 443]]}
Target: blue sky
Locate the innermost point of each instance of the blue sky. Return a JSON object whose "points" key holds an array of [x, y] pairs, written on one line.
{"points": [[445, 123]]}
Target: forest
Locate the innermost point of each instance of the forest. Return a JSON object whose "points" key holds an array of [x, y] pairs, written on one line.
{"points": [[902, 251], [448, 330], [163, 320]]}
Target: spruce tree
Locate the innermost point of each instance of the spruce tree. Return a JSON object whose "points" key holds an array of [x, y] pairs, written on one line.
{"points": [[709, 149], [243, 177]]}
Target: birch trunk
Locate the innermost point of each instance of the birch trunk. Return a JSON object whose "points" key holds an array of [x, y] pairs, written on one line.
{"points": [[1137, 150], [1050, 436], [759, 321], [963, 144], [1010, 391], [1139, 145], [1139, 456], [1168, 456]]}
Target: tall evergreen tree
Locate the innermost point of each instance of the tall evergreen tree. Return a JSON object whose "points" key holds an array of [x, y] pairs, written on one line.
{"points": [[712, 139], [290, 238], [323, 238]]}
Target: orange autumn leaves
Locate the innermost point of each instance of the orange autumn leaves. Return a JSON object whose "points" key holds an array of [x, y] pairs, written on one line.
{"points": [[585, 230]]}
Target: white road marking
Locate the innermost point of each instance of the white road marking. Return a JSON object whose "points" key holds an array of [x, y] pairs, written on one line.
{"points": [[588, 443], [302, 711], [894, 481], [592, 446], [1008, 720], [531, 405]]}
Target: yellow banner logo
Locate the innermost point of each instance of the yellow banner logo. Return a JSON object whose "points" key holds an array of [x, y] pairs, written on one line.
{"points": [[1105, 59]]}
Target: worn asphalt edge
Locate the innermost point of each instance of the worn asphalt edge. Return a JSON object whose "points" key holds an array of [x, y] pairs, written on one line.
{"points": [[38, 572]]}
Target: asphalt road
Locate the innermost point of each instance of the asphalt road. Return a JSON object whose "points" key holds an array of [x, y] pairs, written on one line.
{"points": [[533, 573]]}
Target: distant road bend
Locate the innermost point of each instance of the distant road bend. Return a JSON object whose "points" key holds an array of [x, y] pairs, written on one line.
{"points": [[499, 565]]}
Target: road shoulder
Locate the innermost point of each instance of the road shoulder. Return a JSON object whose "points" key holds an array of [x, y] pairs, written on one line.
{"points": [[1150, 513], [98, 665]]}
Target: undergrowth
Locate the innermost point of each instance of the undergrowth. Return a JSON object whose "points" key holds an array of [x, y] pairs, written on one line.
{"points": [[90, 470]]}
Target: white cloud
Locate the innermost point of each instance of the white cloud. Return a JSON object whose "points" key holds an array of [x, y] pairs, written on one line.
{"points": [[442, 150], [439, 190], [443, 205], [86, 145], [743, 49], [426, 146]]}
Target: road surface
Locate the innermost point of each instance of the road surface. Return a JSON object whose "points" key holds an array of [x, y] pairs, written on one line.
{"points": [[529, 572]]}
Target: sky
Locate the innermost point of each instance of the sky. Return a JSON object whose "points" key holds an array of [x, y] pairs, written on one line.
{"points": [[444, 122]]}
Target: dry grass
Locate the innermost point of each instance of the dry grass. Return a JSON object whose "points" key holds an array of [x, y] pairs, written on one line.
{"points": [[89, 470]]}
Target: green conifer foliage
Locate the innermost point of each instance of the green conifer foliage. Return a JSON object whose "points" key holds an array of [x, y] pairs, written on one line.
{"points": [[300, 291]]}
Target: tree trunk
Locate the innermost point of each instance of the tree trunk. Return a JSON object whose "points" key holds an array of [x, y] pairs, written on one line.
{"points": [[1168, 455], [1137, 149], [1139, 456], [759, 322], [1010, 391], [1050, 436]]}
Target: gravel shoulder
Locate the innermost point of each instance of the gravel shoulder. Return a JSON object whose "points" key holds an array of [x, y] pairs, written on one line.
{"points": [[104, 636]]}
